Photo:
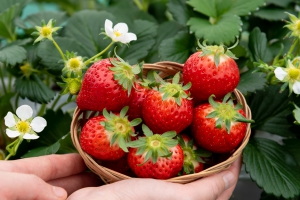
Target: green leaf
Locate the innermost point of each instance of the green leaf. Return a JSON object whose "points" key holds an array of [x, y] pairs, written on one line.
{"points": [[5, 105], [169, 28], [180, 11], [293, 146], [34, 89], [258, 46], [270, 109], [296, 113], [272, 167], [225, 30], [241, 7], [8, 11], [50, 56], [41, 151], [280, 3], [82, 28], [35, 19], [177, 48], [12, 54], [146, 32], [271, 14], [66, 145], [206, 7], [251, 81]]}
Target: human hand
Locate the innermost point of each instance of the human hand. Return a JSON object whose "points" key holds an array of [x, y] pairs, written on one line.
{"points": [[219, 186], [45, 177]]}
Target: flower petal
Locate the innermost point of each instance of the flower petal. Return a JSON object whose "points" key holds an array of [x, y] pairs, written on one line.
{"points": [[296, 87], [126, 38], [9, 120], [280, 73], [108, 28], [28, 136], [121, 28], [12, 134], [38, 124], [24, 112]]}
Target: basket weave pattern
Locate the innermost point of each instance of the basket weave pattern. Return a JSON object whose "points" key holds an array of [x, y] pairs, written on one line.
{"points": [[165, 69]]}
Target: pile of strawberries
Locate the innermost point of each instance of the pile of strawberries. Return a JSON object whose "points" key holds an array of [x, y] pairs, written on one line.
{"points": [[161, 128]]}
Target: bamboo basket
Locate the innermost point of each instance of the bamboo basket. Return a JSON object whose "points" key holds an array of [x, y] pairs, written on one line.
{"points": [[165, 69]]}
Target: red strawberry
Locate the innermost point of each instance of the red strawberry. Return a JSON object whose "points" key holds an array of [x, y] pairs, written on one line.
{"points": [[155, 156], [104, 137], [219, 126], [120, 165], [168, 108], [211, 71], [193, 162], [136, 101], [107, 84]]}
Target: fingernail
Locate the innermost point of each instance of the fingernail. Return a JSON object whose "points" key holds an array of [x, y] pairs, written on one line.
{"points": [[229, 179], [59, 192]]}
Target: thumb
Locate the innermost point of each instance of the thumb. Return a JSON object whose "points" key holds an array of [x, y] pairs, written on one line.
{"points": [[28, 186], [210, 188]]}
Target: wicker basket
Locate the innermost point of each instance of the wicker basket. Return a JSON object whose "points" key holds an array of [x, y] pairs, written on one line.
{"points": [[109, 176]]}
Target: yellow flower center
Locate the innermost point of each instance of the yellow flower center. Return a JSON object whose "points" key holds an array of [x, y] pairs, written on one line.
{"points": [[117, 33], [294, 73], [74, 63], [298, 25], [46, 31], [26, 69], [23, 127]]}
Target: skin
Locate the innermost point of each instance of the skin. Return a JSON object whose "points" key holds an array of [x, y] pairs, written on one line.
{"points": [[219, 186], [46, 177], [57, 176]]}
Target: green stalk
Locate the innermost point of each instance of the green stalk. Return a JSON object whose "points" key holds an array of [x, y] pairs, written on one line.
{"points": [[55, 101], [293, 46], [138, 4], [2, 81], [99, 54], [59, 50], [42, 110]]}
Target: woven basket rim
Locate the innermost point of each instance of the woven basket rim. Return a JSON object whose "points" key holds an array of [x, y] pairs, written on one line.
{"points": [[166, 68]]}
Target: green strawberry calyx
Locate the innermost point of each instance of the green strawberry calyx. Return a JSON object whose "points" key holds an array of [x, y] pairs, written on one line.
{"points": [[216, 51], [192, 155], [175, 90], [124, 73], [71, 84], [154, 146], [226, 112], [120, 127]]}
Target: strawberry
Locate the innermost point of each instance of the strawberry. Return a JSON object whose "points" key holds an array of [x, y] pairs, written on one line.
{"points": [[138, 96], [104, 137], [219, 126], [193, 162], [211, 71], [107, 84], [156, 156], [168, 107], [120, 165]]}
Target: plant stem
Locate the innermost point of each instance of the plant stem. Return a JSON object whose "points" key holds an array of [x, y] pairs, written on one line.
{"points": [[65, 103], [55, 101], [59, 50], [293, 46], [99, 54], [42, 110], [2, 81], [138, 4]]}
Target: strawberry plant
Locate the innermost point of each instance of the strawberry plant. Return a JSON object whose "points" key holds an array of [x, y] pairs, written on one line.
{"points": [[48, 46]]}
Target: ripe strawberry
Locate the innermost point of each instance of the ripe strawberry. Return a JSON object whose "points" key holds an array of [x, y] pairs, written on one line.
{"points": [[211, 71], [168, 108], [104, 137], [219, 126], [193, 162], [107, 84], [138, 96], [120, 165], [155, 156]]}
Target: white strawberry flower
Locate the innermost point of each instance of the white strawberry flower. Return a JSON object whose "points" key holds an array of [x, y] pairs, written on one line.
{"points": [[118, 33], [23, 124], [290, 75]]}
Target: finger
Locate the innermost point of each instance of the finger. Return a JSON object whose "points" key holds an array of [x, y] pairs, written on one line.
{"points": [[213, 186], [46, 167], [76, 182], [28, 186]]}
